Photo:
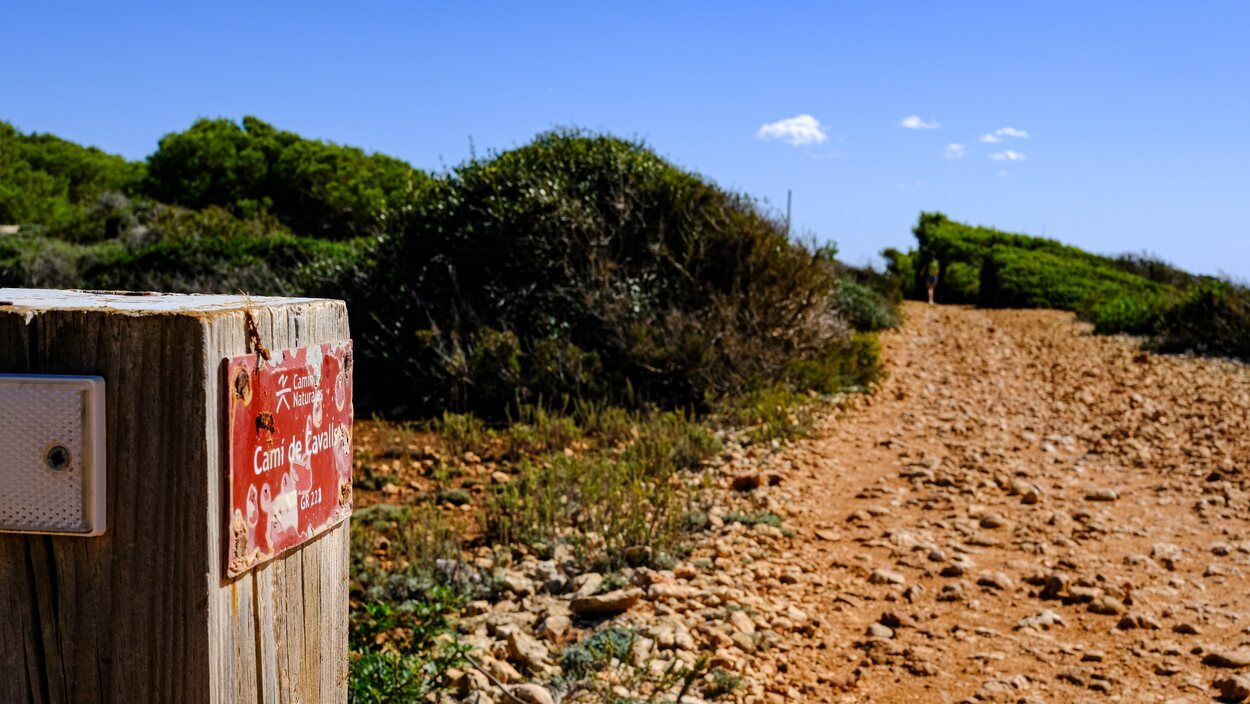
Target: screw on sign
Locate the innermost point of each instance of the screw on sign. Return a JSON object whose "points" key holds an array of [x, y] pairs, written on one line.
{"points": [[290, 449]]}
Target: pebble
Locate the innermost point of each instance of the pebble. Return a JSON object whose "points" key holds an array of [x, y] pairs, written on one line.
{"points": [[610, 603], [532, 694], [883, 576], [1232, 659], [1234, 688]]}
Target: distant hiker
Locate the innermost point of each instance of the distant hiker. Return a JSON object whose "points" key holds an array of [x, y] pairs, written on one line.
{"points": [[931, 278]]}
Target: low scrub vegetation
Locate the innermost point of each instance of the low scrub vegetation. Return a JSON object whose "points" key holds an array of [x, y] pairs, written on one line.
{"points": [[407, 584], [578, 267], [627, 505], [1213, 318], [599, 487], [1022, 278]]}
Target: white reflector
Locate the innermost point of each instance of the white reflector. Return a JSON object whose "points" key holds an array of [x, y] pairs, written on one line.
{"points": [[52, 476]]}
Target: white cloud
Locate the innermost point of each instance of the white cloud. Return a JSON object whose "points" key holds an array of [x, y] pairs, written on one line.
{"points": [[1007, 155], [954, 151], [796, 131], [997, 135], [915, 122]]}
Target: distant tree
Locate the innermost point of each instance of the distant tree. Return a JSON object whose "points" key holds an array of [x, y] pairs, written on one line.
{"points": [[48, 181], [315, 188]]}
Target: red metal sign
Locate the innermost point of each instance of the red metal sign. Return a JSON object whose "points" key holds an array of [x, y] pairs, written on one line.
{"points": [[290, 449]]}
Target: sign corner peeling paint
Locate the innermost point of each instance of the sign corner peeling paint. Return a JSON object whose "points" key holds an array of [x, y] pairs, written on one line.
{"points": [[290, 450]]}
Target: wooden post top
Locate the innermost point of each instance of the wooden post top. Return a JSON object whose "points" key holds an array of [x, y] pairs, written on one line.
{"points": [[136, 303], [146, 612]]}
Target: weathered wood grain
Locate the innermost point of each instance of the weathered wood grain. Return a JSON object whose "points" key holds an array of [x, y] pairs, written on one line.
{"points": [[144, 613]]}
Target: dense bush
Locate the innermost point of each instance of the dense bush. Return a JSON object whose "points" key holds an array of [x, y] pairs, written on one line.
{"points": [[961, 251], [182, 259], [276, 265], [317, 189], [587, 265], [1150, 266], [1127, 313], [1214, 318], [863, 308], [60, 186], [998, 269], [1022, 278]]}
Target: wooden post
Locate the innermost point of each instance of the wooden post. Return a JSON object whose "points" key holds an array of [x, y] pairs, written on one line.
{"points": [[144, 612]]}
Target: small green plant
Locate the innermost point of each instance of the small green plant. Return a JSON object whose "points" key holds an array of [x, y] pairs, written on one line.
{"points": [[536, 430], [611, 583], [455, 497], [461, 433], [607, 424], [721, 682], [751, 519], [407, 583], [581, 660], [772, 413]]}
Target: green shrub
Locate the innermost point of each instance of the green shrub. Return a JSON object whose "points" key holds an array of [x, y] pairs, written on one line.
{"points": [[401, 655], [455, 497], [1020, 278], [53, 183], [960, 281], [758, 518], [316, 188], [31, 260], [536, 430], [782, 410], [581, 660], [462, 432], [1214, 318], [1126, 313], [584, 266], [853, 364], [776, 412], [962, 250], [264, 265], [863, 308]]}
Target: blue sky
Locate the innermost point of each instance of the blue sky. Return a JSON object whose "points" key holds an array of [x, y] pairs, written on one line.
{"points": [[1137, 114]]}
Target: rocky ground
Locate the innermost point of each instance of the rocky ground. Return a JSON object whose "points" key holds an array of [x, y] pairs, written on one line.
{"points": [[1023, 512]]}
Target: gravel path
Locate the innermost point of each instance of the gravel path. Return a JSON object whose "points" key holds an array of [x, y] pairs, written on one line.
{"points": [[1024, 512]]}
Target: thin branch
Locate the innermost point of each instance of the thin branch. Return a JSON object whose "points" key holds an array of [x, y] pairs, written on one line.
{"points": [[502, 687]]}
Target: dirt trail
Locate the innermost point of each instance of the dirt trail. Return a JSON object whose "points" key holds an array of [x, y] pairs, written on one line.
{"points": [[1024, 512]]}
